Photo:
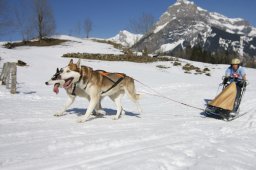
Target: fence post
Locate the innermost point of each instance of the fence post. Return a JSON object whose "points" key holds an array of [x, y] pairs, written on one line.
{"points": [[13, 70], [3, 75], [7, 76]]}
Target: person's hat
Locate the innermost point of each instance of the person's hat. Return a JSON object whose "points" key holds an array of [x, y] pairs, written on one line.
{"points": [[235, 61]]}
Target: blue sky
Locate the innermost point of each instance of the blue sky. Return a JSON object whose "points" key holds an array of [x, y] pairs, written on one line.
{"points": [[111, 16]]}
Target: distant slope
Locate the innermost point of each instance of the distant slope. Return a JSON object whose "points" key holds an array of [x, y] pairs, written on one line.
{"points": [[75, 45]]}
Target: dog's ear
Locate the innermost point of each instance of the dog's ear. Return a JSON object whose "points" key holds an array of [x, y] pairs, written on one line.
{"points": [[71, 61], [57, 70], [78, 63]]}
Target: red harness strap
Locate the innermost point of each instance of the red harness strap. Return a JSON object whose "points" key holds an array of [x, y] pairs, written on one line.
{"points": [[104, 73]]}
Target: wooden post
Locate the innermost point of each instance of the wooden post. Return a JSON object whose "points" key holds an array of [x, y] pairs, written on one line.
{"points": [[13, 70], [7, 78], [3, 74]]}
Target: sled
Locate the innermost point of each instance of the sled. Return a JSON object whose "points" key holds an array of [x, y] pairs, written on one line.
{"points": [[225, 106]]}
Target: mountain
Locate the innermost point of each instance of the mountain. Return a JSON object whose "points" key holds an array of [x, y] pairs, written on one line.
{"points": [[126, 38], [185, 24]]}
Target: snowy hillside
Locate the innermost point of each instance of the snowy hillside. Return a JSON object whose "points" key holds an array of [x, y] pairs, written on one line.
{"points": [[126, 38], [166, 136]]}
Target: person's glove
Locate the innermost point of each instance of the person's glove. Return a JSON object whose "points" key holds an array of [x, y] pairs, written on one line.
{"points": [[245, 83], [242, 83], [225, 80]]}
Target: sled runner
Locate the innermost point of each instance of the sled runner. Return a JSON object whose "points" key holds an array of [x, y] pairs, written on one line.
{"points": [[226, 105]]}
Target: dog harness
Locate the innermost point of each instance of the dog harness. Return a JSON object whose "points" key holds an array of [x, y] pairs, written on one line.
{"points": [[115, 83], [105, 74]]}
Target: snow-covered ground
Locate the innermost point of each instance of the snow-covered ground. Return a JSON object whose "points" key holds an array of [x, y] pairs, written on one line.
{"points": [[166, 135]]}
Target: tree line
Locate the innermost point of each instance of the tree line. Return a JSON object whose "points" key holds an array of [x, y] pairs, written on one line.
{"points": [[197, 53]]}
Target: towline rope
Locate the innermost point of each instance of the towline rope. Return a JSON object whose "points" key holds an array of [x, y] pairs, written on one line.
{"points": [[162, 96]]}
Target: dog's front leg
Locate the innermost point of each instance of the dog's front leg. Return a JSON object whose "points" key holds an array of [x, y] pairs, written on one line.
{"points": [[93, 102], [70, 100]]}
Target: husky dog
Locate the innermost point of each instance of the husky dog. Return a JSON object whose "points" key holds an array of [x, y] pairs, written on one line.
{"points": [[72, 93], [96, 84]]}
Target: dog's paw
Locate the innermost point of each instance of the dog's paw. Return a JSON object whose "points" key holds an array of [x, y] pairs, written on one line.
{"points": [[58, 114], [81, 120], [101, 112], [115, 118]]}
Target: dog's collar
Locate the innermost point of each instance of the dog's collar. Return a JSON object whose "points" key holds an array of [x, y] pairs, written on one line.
{"points": [[74, 88], [80, 78], [73, 91]]}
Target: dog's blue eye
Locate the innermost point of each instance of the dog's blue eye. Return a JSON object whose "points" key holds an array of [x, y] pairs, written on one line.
{"points": [[68, 71]]}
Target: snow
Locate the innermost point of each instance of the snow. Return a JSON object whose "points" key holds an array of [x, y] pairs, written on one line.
{"points": [[201, 9], [126, 38], [160, 27], [185, 2], [176, 4], [253, 32], [228, 23], [166, 135], [241, 45], [252, 46], [170, 46], [218, 16], [230, 31], [165, 13]]}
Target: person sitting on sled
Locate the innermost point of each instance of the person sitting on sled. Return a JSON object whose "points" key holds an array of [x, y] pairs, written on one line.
{"points": [[236, 73]]}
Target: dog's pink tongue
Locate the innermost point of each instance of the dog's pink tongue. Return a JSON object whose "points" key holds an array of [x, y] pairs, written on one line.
{"points": [[56, 88]]}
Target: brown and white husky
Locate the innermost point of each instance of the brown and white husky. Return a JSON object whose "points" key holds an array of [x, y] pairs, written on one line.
{"points": [[95, 84], [72, 94]]}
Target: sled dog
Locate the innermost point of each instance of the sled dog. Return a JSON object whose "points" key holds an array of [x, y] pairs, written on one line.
{"points": [[95, 84], [72, 94]]}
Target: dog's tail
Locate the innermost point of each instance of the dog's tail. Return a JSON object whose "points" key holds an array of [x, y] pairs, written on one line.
{"points": [[130, 90]]}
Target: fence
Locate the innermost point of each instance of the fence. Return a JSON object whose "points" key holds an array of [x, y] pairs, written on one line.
{"points": [[8, 76]]}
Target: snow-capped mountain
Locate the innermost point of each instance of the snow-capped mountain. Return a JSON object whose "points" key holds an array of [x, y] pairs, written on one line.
{"points": [[185, 24], [126, 38]]}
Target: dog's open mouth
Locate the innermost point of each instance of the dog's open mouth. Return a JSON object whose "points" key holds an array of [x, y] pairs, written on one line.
{"points": [[56, 88], [68, 83]]}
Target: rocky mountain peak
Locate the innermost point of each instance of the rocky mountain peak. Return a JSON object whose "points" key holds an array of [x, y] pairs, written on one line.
{"points": [[182, 9], [186, 24], [126, 38]]}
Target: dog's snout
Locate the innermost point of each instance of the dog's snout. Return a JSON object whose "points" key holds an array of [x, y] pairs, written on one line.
{"points": [[46, 83]]}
